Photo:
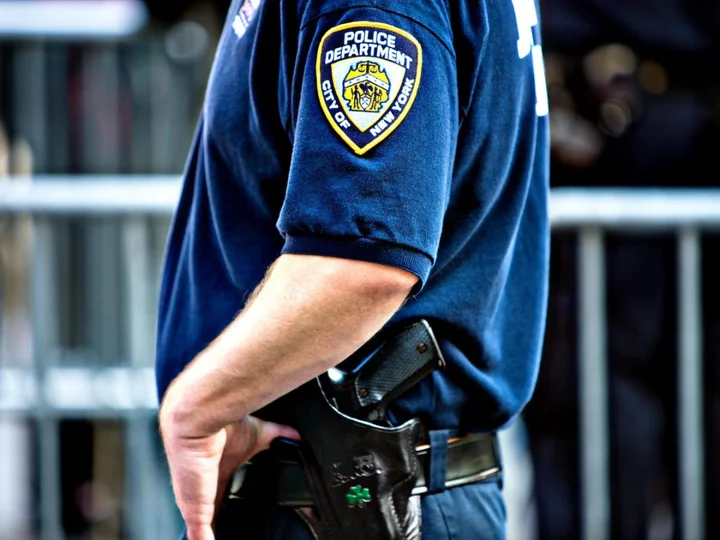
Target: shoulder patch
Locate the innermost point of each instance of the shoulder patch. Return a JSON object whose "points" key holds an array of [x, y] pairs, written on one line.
{"points": [[368, 75]]}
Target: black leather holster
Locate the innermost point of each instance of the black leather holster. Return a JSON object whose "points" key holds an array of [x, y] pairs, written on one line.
{"points": [[361, 475]]}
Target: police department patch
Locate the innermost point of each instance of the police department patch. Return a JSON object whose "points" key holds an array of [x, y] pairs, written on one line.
{"points": [[367, 75]]}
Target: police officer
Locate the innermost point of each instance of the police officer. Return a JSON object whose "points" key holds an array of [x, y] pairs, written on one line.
{"points": [[309, 220]]}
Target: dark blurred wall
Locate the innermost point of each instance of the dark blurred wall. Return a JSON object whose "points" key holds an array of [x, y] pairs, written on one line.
{"points": [[673, 26], [635, 92]]}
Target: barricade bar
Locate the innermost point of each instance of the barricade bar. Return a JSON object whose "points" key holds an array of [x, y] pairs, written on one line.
{"points": [[90, 195], [614, 208], [690, 388], [628, 208], [71, 20], [593, 386], [78, 391]]}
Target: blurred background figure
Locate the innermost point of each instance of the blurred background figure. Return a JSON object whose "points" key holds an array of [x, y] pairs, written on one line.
{"points": [[634, 88]]}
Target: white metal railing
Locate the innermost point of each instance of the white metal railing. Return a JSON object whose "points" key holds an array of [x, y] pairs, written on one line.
{"points": [[624, 208], [71, 19], [79, 391], [127, 391]]}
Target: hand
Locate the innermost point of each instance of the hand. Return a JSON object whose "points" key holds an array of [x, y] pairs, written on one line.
{"points": [[201, 467]]}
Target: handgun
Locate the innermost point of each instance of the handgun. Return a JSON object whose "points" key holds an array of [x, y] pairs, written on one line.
{"points": [[392, 362]]}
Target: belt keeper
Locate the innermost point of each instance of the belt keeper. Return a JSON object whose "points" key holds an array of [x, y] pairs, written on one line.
{"points": [[438, 460]]}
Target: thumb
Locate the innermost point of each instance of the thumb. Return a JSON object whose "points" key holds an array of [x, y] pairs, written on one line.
{"points": [[267, 432], [246, 438]]}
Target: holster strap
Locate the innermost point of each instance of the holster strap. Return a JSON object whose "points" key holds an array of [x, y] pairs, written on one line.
{"points": [[469, 459]]}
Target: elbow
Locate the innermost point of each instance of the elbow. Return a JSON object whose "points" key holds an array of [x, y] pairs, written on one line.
{"points": [[396, 282], [378, 281]]}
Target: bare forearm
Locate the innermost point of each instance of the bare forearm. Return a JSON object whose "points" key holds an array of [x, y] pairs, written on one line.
{"points": [[311, 313]]}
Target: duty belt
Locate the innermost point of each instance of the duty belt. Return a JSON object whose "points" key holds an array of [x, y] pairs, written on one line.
{"points": [[469, 459]]}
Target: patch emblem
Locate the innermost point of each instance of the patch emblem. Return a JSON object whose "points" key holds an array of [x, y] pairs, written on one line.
{"points": [[368, 75]]}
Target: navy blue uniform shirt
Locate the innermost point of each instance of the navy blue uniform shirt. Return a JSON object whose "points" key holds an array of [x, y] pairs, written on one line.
{"points": [[407, 133]]}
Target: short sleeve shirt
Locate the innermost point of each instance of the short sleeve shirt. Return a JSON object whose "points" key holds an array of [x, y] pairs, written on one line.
{"points": [[411, 134]]}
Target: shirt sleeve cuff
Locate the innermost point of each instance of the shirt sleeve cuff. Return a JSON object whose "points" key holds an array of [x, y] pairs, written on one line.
{"points": [[363, 249]]}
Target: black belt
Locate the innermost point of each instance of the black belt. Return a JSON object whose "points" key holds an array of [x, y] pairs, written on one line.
{"points": [[469, 459]]}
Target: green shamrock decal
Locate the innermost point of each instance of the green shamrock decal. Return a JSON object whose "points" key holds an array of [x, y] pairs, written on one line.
{"points": [[358, 496]]}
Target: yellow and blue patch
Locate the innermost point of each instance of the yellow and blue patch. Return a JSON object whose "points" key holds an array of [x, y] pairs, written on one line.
{"points": [[368, 75]]}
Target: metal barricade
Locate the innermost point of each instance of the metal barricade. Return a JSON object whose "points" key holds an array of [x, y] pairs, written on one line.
{"points": [[591, 211], [93, 87], [48, 393], [64, 383]]}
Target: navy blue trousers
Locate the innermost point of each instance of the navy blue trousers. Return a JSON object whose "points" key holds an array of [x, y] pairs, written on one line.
{"points": [[473, 512]]}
